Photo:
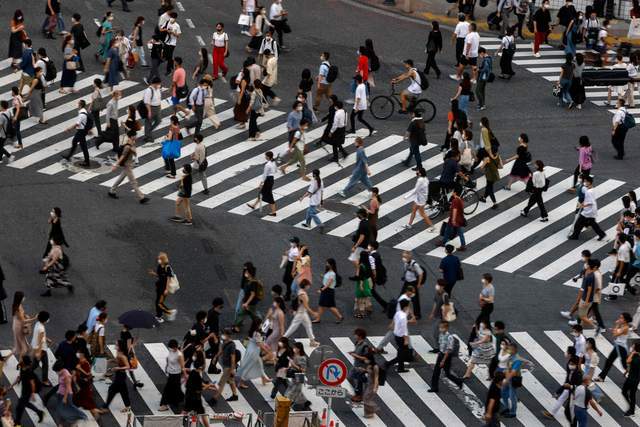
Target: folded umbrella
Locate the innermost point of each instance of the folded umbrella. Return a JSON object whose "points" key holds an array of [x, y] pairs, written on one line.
{"points": [[138, 319]]}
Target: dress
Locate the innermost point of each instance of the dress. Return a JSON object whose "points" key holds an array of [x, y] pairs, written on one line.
{"points": [[83, 398], [103, 48], [35, 100], [15, 44], [520, 170], [113, 76], [209, 108], [251, 366], [56, 277], [363, 304], [483, 352], [276, 333], [20, 345], [328, 296], [193, 395], [68, 78]]}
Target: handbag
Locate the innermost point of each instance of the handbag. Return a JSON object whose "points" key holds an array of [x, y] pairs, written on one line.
{"points": [[23, 114], [265, 327], [203, 166], [450, 315], [516, 382], [285, 27], [244, 20], [173, 285], [171, 149], [134, 362], [556, 90]]}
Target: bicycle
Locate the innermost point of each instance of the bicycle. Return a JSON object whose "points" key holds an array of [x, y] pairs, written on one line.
{"points": [[383, 106], [469, 196]]}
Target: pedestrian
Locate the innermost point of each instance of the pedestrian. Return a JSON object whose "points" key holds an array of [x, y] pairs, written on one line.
{"points": [[36, 89], [267, 43], [3, 296], [413, 276], [119, 382], [357, 375], [137, 50], [297, 148], [492, 405], [433, 46], [302, 312], [470, 53], [632, 70], [336, 126], [522, 7], [491, 165], [619, 128], [28, 388], [183, 201], [541, 26], [401, 336], [520, 170], [539, 181], [283, 355], [301, 269], [209, 103], [173, 32], [229, 362], [257, 30], [7, 129], [458, 36], [179, 88], [499, 360], [251, 367], [572, 379], [371, 390], [278, 18], [18, 34], [360, 106], [40, 345], [323, 86], [71, 63], [482, 349], [463, 93], [504, 11], [174, 136], [416, 136], [220, 50], [277, 319], [162, 273], [360, 240], [507, 50], [588, 213], [83, 397], [486, 299], [361, 171], [585, 160], [484, 76], [270, 77], [155, 47], [257, 103], [512, 381], [577, 91], [97, 103], [291, 254], [316, 200], [105, 35], [67, 412], [152, 100], [419, 196], [125, 7], [125, 161], [252, 294], [80, 39], [83, 126], [54, 269], [172, 393], [242, 101], [330, 280], [630, 386], [620, 332], [363, 307], [197, 100], [372, 212], [447, 345], [18, 105], [451, 269], [454, 226]]}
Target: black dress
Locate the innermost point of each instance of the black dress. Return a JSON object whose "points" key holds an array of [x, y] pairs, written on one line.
{"points": [[15, 45], [56, 234], [520, 168], [193, 395]]}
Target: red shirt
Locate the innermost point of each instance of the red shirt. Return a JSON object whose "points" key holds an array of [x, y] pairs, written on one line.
{"points": [[458, 206], [363, 67]]}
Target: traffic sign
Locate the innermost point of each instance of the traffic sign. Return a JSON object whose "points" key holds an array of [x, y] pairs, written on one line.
{"points": [[334, 392], [332, 372]]}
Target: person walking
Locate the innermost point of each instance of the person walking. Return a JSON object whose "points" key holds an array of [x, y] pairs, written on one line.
{"points": [[401, 337], [414, 277], [112, 129], [119, 382], [152, 99], [83, 397], [137, 50], [105, 35], [55, 271], [301, 316], [183, 213], [507, 50], [619, 128], [372, 212], [173, 136], [36, 89], [83, 126], [70, 65], [80, 39], [447, 346], [252, 367], [40, 344], [451, 269], [337, 129], [630, 386], [520, 170], [220, 50], [486, 299], [357, 375], [278, 18], [541, 26], [620, 332], [577, 91], [360, 106], [175, 369], [28, 389], [196, 100], [434, 45], [484, 75], [361, 171], [266, 184], [330, 280], [3, 296], [482, 349], [18, 34], [492, 404], [68, 413], [323, 86], [419, 196], [125, 163], [417, 137], [455, 224], [458, 36], [97, 103], [585, 160], [491, 165], [172, 32], [539, 181], [162, 273], [21, 323], [270, 79], [362, 306], [297, 148], [589, 212], [257, 103]]}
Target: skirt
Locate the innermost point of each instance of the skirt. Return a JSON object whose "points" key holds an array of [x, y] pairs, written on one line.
{"points": [[193, 403], [251, 367], [15, 45], [240, 111], [35, 103], [520, 170], [267, 191], [327, 298], [68, 78], [56, 277], [483, 354], [577, 91]]}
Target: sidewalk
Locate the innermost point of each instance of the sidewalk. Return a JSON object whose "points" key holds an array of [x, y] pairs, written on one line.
{"points": [[435, 10]]}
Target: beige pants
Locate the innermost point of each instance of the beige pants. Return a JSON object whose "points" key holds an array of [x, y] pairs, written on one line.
{"points": [[184, 205], [322, 90], [127, 171]]}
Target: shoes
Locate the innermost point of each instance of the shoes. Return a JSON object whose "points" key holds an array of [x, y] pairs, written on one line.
{"points": [[572, 322], [566, 315], [434, 351], [112, 195], [176, 219], [232, 398], [213, 370], [617, 157], [159, 320], [138, 385], [205, 192], [187, 222], [402, 112], [402, 371], [523, 213], [629, 413], [545, 219], [144, 200], [305, 225], [537, 55], [461, 248], [85, 164], [601, 238], [163, 408], [495, 206], [432, 390], [40, 416]]}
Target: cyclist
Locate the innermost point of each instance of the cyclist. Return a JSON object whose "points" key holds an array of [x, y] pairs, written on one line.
{"points": [[451, 174], [414, 90]]}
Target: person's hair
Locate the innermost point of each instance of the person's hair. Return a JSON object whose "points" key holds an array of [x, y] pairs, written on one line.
{"points": [[303, 283], [205, 59], [374, 244], [498, 377], [584, 141], [69, 335], [483, 50], [164, 258], [42, 52], [280, 302], [473, 26], [102, 316], [304, 122], [510, 30], [18, 16], [358, 78], [586, 253], [484, 121], [627, 317], [18, 296], [326, 55], [250, 268], [306, 74], [488, 277], [404, 304], [173, 344], [173, 15], [82, 328], [539, 165], [571, 350], [43, 316], [316, 175], [622, 102], [28, 42], [409, 62], [632, 195], [577, 328], [441, 282], [300, 347], [444, 323], [422, 172], [499, 325], [269, 155], [435, 25], [410, 288], [636, 346], [588, 179], [579, 58], [76, 16], [201, 315], [156, 80], [174, 120], [82, 103], [448, 248], [177, 60], [139, 20], [4, 104], [331, 262], [375, 192]]}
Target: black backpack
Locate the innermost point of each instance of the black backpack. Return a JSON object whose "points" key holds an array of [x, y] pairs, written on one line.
{"points": [[424, 82], [233, 84], [332, 74], [374, 64], [142, 109], [89, 124], [422, 136], [9, 129], [390, 310], [381, 271], [51, 72]]}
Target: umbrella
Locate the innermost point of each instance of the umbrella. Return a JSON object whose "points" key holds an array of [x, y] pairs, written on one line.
{"points": [[138, 319]]}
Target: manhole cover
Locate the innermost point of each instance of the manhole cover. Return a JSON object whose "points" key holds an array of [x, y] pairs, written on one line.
{"points": [[99, 166]]}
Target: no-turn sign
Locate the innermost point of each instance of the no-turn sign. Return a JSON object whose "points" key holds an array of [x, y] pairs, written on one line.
{"points": [[332, 372]]}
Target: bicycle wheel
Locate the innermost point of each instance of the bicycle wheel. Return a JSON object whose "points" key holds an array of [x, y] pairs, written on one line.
{"points": [[471, 199], [429, 109], [381, 107], [433, 210]]}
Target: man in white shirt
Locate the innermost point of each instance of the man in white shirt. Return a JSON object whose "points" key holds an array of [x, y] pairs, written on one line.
{"points": [[401, 336], [589, 213], [470, 53], [268, 42], [172, 29], [414, 90], [338, 131], [152, 99], [619, 130], [196, 100], [40, 344], [458, 36], [81, 132], [278, 18], [359, 106]]}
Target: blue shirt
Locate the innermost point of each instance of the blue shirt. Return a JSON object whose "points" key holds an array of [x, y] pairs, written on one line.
{"points": [[636, 253], [323, 72], [27, 62], [450, 266], [485, 68], [92, 318], [449, 171], [361, 160], [293, 120]]}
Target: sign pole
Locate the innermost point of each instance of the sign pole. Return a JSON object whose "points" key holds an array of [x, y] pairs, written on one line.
{"points": [[330, 401]]}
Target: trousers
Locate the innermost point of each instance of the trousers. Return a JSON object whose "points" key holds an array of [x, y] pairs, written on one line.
{"points": [[435, 378], [79, 138], [536, 198], [127, 172], [583, 222], [150, 123], [218, 62], [358, 114], [301, 318]]}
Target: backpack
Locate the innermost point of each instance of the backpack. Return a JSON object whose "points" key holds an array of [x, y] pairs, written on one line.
{"points": [[424, 83], [142, 109], [424, 272], [390, 310], [89, 124], [51, 72], [257, 103], [94, 342], [182, 91], [374, 64], [628, 122], [233, 84], [9, 129], [332, 74], [511, 47], [238, 356]]}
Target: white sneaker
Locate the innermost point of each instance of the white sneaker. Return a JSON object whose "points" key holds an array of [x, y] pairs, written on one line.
{"points": [[572, 322], [159, 320], [407, 226], [537, 55], [342, 194], [566, 315], [431, 229]]}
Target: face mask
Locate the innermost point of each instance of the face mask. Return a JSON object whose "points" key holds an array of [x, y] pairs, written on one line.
{"points": [[299, 109], [293, 245], [172, 20], [575, 334], [224, 337], [546, 6], [280, 345], [53, 214], [484, 282], [442, 331], [78, 355], [159, 262]]}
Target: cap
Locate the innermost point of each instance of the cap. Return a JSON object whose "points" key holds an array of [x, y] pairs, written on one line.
{"points": [[294, 239]]}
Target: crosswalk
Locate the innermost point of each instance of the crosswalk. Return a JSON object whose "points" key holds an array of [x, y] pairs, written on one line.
{"points": [[547, 67], [403, 400], [496, 239]]}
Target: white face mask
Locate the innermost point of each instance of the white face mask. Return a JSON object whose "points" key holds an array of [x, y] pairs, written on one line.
{"points": [[293, 245], [406, 260], [224, 337], [299, 109], [78, 355]]}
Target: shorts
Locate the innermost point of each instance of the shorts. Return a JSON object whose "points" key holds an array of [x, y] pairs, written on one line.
{"points": [[226, 377], [583, 309], [408, 94], [469, 61], [175, 100], [355, 255]]}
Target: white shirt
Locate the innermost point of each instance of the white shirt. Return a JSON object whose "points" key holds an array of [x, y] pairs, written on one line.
{"points": [[602, 34], [580, 343], [274, 11], [339, 120], [152, 96], [316, 193], [361, 98], [293, 253], [420, 192], [270, 169], [590, 211], [272, 45], [300, 140], [618, 117], [400, 324], [163, 19], [99, 329], [250, 5], [472, 39], [219, 39], [579, 396], [172, 39], [462, 29], [37, 330], [414, 87], [624, 252], [43, 66], [197, 96], [173, 362], [81, 120], [539, 180]]}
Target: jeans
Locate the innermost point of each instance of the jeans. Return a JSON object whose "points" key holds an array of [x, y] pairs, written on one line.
{"points": [[451, 232], [480, 88], [581, 416], [312, 214], [358, 175], [463, 104], [414, 151], [565, 87], [253, 124], [509, 398]]}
